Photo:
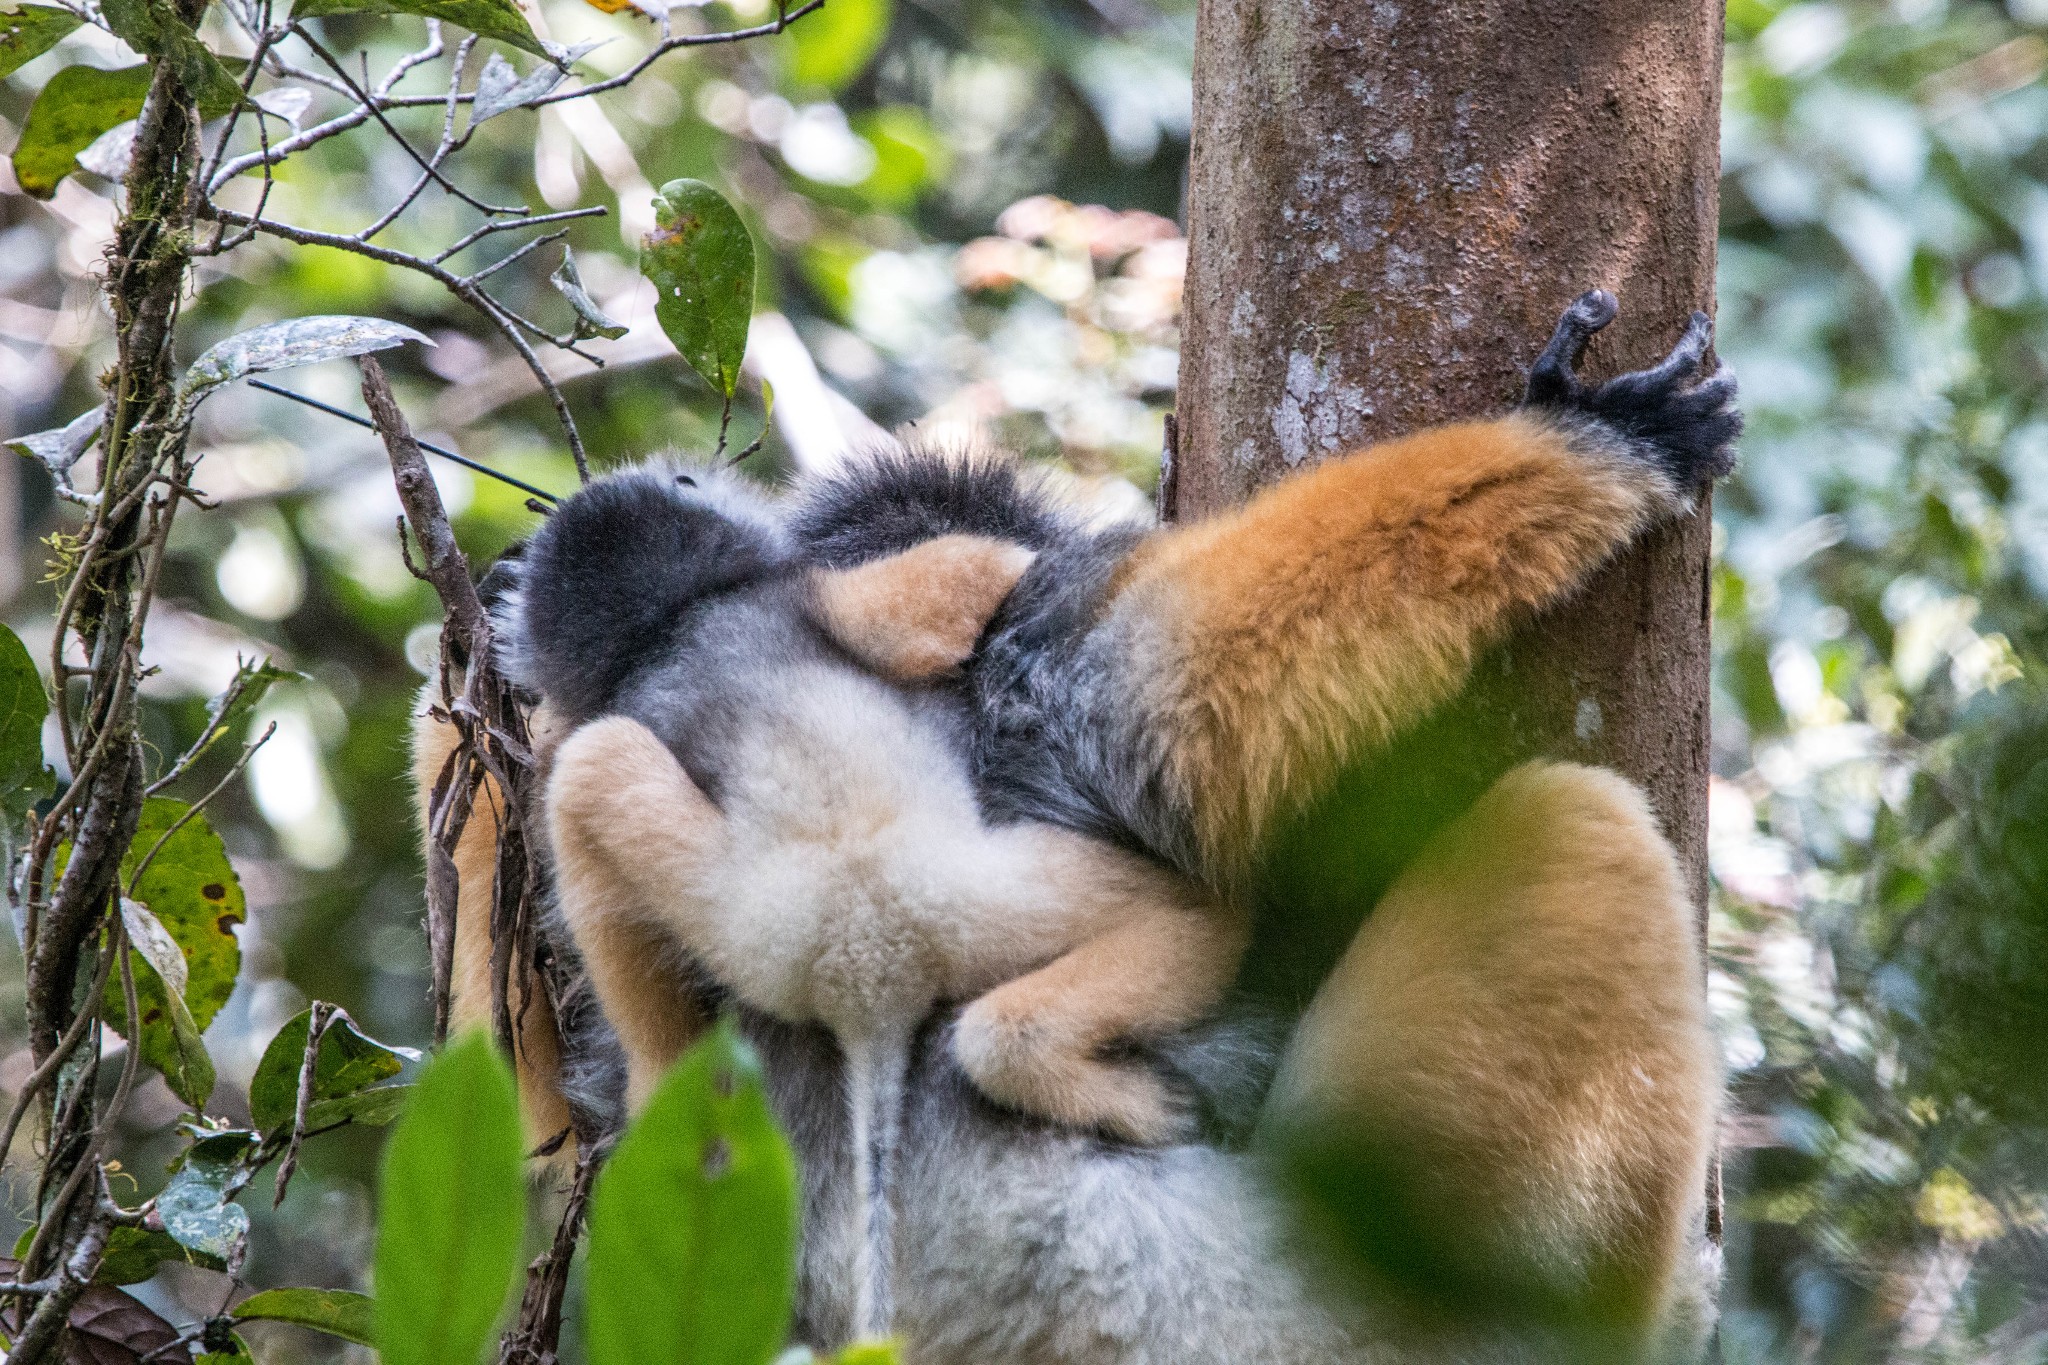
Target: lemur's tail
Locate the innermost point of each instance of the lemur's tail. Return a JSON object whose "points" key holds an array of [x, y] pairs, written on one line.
{"points": [[876, 1069]]}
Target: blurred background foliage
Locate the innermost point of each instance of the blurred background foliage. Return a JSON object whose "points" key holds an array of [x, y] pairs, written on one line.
{"points": [[968, 212]]}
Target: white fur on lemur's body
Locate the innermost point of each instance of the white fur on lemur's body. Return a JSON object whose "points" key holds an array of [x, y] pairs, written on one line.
{"points": [[1522, 1016], [804, 831]]}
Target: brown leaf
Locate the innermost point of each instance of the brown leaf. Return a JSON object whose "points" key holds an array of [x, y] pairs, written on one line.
{"points": [[108, 1327]]}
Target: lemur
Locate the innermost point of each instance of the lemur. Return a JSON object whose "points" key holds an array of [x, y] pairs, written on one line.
{"points": [[806, 833], [1523, 1009]]}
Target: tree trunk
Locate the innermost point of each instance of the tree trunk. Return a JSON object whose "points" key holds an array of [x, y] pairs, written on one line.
{"points": [[1390, 203]]}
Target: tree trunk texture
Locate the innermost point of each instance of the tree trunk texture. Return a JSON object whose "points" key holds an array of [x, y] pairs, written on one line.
{"points": [[1390, 203]]}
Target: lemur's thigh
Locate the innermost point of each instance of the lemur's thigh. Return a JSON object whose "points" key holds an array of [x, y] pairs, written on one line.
{"points": [[1035, 1043], [535, 1055], [624, 821], [1524, 1016]]}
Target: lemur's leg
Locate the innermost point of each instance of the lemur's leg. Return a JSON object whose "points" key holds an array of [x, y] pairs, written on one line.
{"points": [[1522, 1022], [1256, 652], [1035, 1043], [623, 818], [536, 1057]]}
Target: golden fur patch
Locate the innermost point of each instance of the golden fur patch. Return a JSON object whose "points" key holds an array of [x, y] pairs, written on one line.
{"points": [[537, 1058], [1338, 607], [920, 612], [1527, 1007]]}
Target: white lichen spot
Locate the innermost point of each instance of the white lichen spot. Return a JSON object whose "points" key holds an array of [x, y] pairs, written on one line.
{"points": [[1588, 721], [1318, 415], [1401, 143], [1243, 313], [1247, 454], [1328, 251]]}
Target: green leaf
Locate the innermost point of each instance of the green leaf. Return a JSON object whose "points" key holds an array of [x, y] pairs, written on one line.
{"points": [[29, 32], [693, 1222], [701, 261], [282, 345], [186, 1066], [336, 1312], [498, 19], [77, 105], [154, 28], [373, 1108], [831, 46], [134, 1254], [591, 321], [192, 891], [349, 1061], [241, 696], [451, 1210], [24, 778], [197, 1206]]}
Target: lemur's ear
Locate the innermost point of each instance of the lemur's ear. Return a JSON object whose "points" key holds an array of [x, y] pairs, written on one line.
{"points": [[919, 612]]}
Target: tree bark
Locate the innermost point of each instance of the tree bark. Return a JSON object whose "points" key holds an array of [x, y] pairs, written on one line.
{"points": [[1390, 203]]}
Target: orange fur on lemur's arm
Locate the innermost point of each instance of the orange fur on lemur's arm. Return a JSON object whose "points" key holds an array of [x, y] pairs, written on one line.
{"points": [[1335, 609], [536, 1055]]}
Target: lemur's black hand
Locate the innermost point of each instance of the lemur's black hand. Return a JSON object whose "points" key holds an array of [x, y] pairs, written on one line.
{"points": [[1686, 422]]}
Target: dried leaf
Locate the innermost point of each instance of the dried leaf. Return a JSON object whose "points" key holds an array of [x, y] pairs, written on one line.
{"points": [[65, 446], [591, 321], [500, 88], [282, 345]]}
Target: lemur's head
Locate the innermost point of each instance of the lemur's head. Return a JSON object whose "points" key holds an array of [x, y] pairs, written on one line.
{"points": [[617, 568], [627, 563]]}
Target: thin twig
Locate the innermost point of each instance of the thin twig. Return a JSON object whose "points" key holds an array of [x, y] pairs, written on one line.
{"points": [[345, 415], [248, 752], [369, 101], [317, 1019]]}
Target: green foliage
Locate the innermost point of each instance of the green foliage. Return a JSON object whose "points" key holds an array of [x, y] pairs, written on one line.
{"points": [[349, 1063], [452, 1207], [190, 888], [24, 777], [75, 107], [499, 19], [135, 1254], [153, 28], [700, 259], [337, 1312], [833, 45], [30, 31], [171, 1037], [693, 1222]]}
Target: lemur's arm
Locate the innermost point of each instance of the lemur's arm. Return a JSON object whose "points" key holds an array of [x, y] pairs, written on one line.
{"points": [[1256, 652], [631, 836]]}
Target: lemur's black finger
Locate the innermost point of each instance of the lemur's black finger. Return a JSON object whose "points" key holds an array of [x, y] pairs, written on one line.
{"points": [[1551, 379], [1686, 356]]}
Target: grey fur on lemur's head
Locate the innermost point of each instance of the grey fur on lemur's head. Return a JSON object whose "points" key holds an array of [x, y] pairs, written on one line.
{"points": [[623, 560]]}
